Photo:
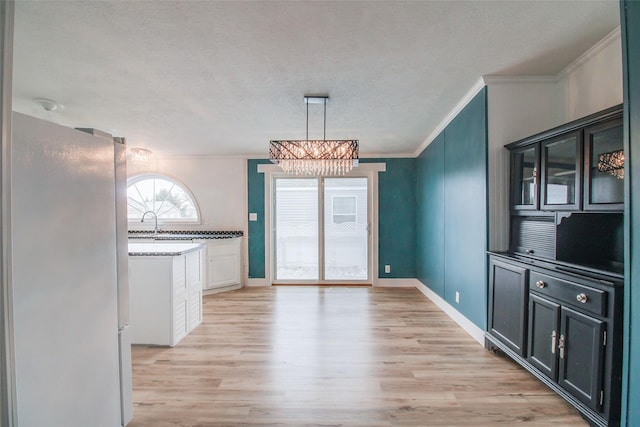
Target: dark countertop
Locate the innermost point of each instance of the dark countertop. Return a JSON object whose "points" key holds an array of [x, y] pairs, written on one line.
{"points": [[184, 235]]}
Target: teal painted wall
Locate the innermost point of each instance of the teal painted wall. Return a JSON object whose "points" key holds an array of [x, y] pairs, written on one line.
{"points": [[630, 22], [255, 183], [430, 216], [452, 212], [465, 210], [396, 217]]}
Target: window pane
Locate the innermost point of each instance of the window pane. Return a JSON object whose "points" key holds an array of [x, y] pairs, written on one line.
{"points": [[524, 169], [344, 205], [166, 198], [296, 231], [346, 236], [607, 166], [561, 172]]}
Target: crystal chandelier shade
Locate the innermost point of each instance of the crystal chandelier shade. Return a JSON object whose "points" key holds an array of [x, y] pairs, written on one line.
{"points": [[315, 157]]}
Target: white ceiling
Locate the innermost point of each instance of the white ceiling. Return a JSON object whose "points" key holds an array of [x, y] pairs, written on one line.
{"points": [[223, 78]]}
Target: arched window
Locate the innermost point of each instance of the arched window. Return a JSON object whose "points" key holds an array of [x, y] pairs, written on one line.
{"points": [[169, 199]]}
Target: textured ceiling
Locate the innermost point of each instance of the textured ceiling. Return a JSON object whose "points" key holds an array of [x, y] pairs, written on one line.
{"points": [[223, 78]]}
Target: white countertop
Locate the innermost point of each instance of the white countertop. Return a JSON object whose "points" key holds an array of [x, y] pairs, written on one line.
{"points": [[163, 249]]}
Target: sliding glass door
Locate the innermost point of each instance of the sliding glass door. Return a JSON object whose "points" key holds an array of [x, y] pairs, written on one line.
{"points": [[296, 229], [321, 230], [346, 226]]}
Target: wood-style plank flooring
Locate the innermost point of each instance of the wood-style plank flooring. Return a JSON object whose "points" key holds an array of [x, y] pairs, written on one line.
{"points": [[334, 356]]}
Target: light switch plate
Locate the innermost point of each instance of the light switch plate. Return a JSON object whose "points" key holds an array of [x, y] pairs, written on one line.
{"points": [[253, 216]]}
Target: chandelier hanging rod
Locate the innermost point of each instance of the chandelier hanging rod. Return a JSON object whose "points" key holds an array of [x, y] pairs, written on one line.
{"points": [[318, 99]]}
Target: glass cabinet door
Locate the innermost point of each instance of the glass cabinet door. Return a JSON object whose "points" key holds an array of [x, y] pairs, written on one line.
{"points": [[524, 166], [561, 172], [604, 167]]}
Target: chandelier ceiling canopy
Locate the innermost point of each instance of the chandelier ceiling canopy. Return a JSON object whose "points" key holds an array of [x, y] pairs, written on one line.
{"points": [[315, 157]]}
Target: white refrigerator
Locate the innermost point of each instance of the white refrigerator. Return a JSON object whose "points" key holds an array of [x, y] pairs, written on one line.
{"points": [[70, 287]]}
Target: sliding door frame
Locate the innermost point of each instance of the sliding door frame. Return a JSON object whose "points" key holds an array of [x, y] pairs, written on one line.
{"points": [[8, 411], [367, 170]]}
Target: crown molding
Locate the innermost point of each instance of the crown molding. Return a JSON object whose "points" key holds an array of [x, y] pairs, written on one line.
{"points": [[496, 80], [593, 51], [471, 93], [385, 156]]}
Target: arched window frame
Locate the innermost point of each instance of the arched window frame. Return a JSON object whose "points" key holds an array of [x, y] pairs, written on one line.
{"points": [[166, 221]]}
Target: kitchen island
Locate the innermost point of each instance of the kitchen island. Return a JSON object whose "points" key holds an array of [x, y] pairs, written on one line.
{"points": [[222, 258], [165, 281]]}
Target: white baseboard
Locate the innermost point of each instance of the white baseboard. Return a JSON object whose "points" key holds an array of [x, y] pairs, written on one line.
{"points": [[257, 282], [221, 289], [469, 327], [397, 283]]}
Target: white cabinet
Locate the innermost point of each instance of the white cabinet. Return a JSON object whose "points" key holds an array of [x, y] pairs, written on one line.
{"points": [[166, 297], [224, 266]]}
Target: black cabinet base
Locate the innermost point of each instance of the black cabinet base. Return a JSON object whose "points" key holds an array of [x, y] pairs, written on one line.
{"points": [[592, 417]]}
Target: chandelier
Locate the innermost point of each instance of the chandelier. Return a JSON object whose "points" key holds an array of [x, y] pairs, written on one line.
{"points": [[612, 163], [140, 155], [315, 157]]}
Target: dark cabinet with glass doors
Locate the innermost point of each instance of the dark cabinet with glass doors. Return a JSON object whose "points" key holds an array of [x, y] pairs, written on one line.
{"points": [[555, 297], [567, 193], [578, 166]]}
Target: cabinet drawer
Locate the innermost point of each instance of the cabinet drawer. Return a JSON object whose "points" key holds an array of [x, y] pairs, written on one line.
{"points": [[577, 295]]}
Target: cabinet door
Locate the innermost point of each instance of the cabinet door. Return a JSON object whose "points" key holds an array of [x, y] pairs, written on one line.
{"points": [[581, 350], [544, 332], [224, 264], [604, 166], [179, 314], [561, 172], [508, 304], [524, 178]]}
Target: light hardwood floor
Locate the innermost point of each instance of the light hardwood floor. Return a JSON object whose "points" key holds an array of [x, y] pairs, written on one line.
{"points": [[334, 356]]}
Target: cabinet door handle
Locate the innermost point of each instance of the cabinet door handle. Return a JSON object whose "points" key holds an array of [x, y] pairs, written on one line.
{"points": [[553, 342], [540, 284], [561, 346], [582, 298]]}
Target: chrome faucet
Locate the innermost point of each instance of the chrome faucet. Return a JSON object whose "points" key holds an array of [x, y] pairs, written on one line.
{"points": [[155, 229]]}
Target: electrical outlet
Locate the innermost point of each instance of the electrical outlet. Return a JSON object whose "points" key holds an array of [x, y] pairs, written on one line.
{"points": [[458, 297], [387, 268], [253, 216]]}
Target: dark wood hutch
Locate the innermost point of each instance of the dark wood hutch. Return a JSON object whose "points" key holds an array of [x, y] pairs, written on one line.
{"points": [[555, 298]]}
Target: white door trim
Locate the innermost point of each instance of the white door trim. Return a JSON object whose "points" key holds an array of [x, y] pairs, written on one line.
{"points": [[369, 170]]}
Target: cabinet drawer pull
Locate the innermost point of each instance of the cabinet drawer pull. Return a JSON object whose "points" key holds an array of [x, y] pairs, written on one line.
{"points": [[582, 298], [530, 251], [540, 284]]}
